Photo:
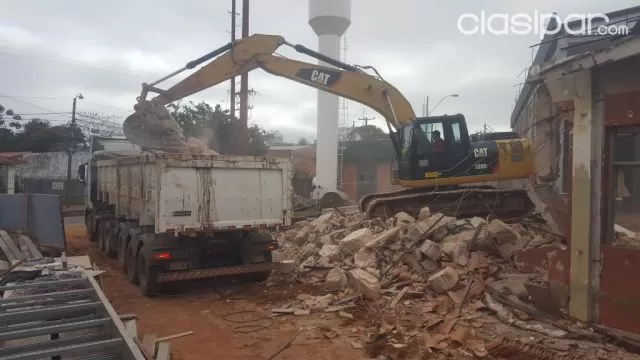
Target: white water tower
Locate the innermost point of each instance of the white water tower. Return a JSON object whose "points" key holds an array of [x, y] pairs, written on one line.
{"points": [[329, 19]]}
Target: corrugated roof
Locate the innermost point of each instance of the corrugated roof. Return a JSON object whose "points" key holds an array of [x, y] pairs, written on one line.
{"points": [[575, 45]]}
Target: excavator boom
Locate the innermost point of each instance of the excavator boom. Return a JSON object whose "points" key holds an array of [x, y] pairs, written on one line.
{"points": [[150, 127]]}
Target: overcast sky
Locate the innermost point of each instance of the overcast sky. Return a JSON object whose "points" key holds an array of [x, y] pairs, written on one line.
{"points": [[50, 50]]}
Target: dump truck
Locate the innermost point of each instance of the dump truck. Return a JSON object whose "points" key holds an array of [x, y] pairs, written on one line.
{"points": [[177, 216]]}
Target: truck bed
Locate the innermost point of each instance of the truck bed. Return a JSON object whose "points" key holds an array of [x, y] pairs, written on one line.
{"points": [[182, 192]]}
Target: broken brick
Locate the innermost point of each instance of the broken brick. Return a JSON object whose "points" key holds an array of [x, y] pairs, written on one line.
{"points": [[443, 280], [330, 251], [431, 250], [336, 279], [365, 283], [365, 258], [404, 218], [424, 214], [354, 241]]}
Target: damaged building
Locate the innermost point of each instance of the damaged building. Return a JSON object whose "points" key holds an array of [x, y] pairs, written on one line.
{"points": [[581, 107]]}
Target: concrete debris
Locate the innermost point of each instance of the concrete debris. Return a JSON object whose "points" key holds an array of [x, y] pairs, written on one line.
{"points": [[431, 250], [336, 279], [456, 251], [505, 238], [365, 283], [365, 258], [384, 237], [317, 303], [354, 241], [345, 315], [286, 267], [308, 250], [427, 284], [443, 280], [512, 286], [404, 218], [302, 236], [424, 213], [302, 312], [331, 252]]}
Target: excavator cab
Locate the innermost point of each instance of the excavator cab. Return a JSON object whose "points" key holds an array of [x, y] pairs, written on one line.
{"points": [[434, 147]]}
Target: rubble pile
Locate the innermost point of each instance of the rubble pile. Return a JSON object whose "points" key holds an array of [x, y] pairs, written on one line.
{"points": [[431, 283]]}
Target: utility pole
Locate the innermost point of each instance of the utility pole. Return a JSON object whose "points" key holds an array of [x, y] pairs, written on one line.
{"points": [[425, 108], [243, 139], [366, 123], [366, 120], [70, 148], [232, 104]]}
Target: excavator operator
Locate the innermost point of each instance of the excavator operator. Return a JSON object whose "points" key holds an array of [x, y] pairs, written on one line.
{"points": [[438, 143]]}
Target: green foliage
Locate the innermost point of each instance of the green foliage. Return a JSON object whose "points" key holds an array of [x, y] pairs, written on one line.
{"points": [[368, 132], [37, 135], [303, 142], [201, 120]]}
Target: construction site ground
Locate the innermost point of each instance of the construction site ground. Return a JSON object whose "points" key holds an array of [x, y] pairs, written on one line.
{"points": [[362, 288], [202, 308]]}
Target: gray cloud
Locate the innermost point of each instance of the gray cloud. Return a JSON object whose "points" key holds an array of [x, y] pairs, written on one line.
{"points": [[107, 49]]}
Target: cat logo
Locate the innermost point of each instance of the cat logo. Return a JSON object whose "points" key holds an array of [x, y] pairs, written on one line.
{"points": [[480, 152], [322, 77]]}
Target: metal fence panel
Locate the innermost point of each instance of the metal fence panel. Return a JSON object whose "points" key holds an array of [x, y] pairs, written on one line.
{"points": [[38, 215]]}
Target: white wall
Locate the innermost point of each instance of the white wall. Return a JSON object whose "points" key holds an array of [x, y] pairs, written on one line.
{"points": [[50, 165]]}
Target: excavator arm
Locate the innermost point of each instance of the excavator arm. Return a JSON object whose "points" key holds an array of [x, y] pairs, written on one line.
{"points": [[257, 51]]}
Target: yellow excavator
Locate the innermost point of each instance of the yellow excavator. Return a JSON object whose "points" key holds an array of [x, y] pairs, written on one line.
{"points": [[436, 162]]}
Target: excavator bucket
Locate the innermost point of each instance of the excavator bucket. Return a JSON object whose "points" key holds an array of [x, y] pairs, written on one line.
{"points": [[152, 127]]}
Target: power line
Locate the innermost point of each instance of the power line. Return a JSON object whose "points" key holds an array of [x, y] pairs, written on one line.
{"points": [[132, 74], [105, 105], [30, 97], [29, 104]]}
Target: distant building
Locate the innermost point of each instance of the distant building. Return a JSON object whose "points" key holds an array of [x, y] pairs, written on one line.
{"points": [[304, 162], [580, 107], [366, 168], [42, 173], [8, 163]]}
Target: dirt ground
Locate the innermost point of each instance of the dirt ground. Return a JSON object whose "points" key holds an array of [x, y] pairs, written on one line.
{"points": [[229, 321]]}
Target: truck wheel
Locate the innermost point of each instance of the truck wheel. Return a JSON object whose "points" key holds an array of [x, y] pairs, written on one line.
{"points": [[122, 251], [110, 239], [89, 220], [258, 276], [132, 268], [147, 275], [100, 233]]}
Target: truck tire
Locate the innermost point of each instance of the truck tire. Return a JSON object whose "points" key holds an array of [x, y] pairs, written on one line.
{"points": [[110, 241], [100, 233], [123, 235], [89, 222], [132, 263], [258, 276], [147, 275]]}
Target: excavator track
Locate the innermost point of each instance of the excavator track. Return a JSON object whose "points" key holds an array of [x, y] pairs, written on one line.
{"points": [[461, 202]]}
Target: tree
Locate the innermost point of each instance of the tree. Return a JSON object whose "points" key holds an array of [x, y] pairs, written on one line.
{"points": [[39, 136], [303, 142], [366, 132], [36, 135], [216, 127]]}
